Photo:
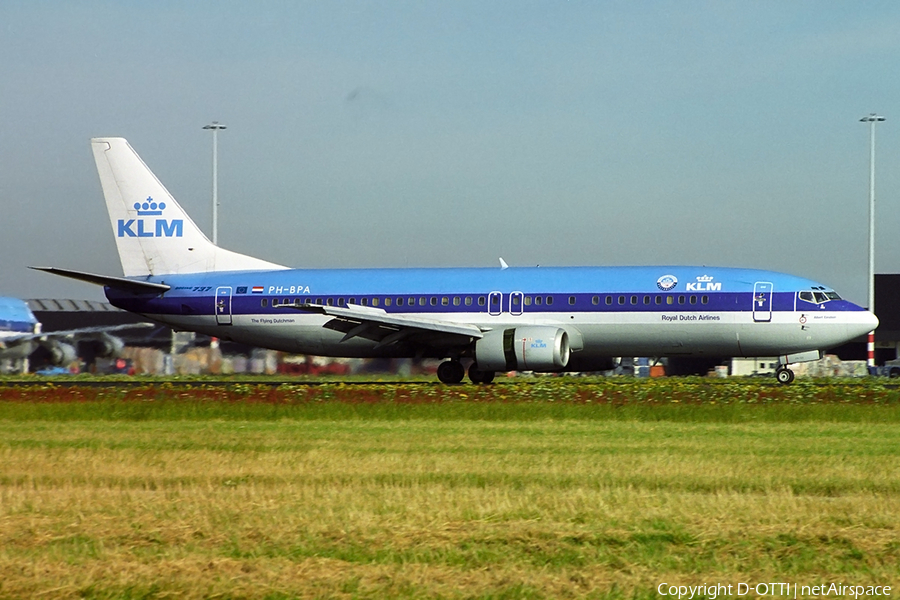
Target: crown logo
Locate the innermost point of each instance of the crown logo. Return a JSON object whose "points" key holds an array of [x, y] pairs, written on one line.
{"points": [[704, 279], [149, 207]]}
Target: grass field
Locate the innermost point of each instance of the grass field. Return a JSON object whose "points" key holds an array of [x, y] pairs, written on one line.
{"points": [[153, 494]]}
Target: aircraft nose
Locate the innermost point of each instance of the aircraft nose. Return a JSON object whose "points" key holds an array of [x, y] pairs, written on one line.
{"points": [[871, 321]]}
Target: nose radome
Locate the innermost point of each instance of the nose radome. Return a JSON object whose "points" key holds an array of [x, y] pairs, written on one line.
{"points": [[871, 321]]}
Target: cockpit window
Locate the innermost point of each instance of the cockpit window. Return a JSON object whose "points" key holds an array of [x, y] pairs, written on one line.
{"points": [[818, 297]]}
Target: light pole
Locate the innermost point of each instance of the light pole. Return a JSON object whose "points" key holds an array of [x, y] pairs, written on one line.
{"points": [[871, 120], [215, 190]]}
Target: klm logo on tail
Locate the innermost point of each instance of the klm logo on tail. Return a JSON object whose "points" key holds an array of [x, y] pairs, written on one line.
{"points": [[150, 227]]}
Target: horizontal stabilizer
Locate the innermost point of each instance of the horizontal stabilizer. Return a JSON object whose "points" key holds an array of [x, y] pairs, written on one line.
{"points": [[120, 283]]}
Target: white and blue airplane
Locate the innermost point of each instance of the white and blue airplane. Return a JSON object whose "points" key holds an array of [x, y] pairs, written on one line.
{"points": [[501, 319], [21, 336]]}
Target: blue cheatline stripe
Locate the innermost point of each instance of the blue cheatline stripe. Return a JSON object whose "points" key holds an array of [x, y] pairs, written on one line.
{"points": [[583, 303]]}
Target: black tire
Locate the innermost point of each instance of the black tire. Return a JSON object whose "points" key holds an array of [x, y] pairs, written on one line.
{"points": [[451, 371], [894, 373], [482, 377], [784, 376]]}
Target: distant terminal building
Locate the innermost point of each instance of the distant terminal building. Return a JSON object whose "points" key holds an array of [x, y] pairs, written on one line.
{"points": [[887, 308]]}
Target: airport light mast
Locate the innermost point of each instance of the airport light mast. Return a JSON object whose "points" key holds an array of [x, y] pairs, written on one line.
{"points": [[871, 120], [215, 127]]}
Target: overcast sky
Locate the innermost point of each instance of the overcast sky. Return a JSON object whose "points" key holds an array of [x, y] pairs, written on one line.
{"points": [[391, 134]]}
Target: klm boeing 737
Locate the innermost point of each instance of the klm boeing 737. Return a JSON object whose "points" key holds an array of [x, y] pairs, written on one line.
{"points": [[502, 319]]}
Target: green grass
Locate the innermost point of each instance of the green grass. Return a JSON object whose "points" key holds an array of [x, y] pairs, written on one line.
{"points": [[259, 496]]}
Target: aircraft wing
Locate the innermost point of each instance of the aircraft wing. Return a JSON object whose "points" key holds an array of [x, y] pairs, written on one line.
{"points": [[5, 340], [377, 325]]}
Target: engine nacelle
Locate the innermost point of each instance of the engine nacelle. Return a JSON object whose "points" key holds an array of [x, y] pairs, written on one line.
{"points": [[57, 353], [532, 348], [103, 346]]}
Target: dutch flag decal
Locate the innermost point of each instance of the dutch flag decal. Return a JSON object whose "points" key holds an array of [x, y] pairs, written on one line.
{"points": [[257, 289]]}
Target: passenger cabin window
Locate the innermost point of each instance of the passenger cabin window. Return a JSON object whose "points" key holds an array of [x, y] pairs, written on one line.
{"points": [[704, 299], [621, 299], [634, 299], [265, 302], [399, 301], [468, 300], [595, 300], [445, 301], [480, 300], [572, 300], [549, 300], [456, 300], [646, 299], [527, 300], [387, 301], [608, 300], [433, 301], [538, 300], [375, 301]]}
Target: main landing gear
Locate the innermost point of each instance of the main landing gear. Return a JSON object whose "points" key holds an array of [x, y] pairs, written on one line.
{"points": [[452, 371], [477, 376], [784, 375]]}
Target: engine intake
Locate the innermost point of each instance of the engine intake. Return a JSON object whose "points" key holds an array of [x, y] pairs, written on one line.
{"points": [[533, 348]]}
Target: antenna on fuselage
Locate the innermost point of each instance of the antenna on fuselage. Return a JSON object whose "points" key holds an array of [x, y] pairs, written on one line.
{"points": [[503, 264]]}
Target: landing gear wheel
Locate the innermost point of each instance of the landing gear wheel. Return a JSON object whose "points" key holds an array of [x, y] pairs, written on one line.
{"points": [[478, 376], [784, 375], [451, 371]]}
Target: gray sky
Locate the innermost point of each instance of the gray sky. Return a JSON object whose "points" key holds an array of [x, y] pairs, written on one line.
{"points": [[390, 134]]}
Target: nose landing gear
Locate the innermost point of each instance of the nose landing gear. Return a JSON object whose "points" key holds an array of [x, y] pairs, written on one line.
{"points": [[784, 375]]}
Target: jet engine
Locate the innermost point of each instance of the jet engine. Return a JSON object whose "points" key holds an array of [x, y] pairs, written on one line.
{"points": [[533, 348], [103, 346], [55, 352]]}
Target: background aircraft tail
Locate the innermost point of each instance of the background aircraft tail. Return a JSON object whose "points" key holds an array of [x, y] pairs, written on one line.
{"points": [[154, 235]]}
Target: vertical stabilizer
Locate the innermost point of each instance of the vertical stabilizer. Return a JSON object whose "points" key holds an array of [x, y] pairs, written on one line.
{"points": [[153, 234]]}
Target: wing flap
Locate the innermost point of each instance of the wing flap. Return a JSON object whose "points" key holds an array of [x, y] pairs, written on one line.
{"points": [[377, 325]]}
